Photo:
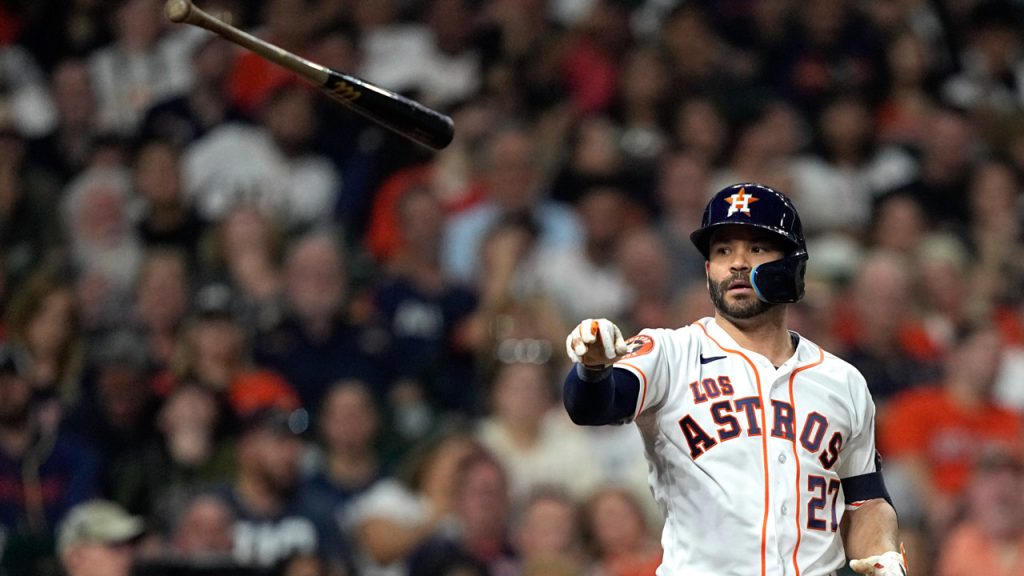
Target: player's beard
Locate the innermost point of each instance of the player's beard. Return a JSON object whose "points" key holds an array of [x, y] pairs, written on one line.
{"points": [[739, 310]]}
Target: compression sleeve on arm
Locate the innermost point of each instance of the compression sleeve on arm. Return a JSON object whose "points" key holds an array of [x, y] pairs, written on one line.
{"points": [[600, 397]]}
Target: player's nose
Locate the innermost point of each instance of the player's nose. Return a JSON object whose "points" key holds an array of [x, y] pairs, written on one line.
{"points": [[739, 259]]}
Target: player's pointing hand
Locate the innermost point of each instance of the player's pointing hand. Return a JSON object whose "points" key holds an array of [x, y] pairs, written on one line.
{"points": [[595, 343]]}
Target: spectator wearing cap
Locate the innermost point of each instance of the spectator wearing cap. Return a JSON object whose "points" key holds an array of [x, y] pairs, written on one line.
{"points": [[97, 539], [115, 412], [214, 351], [43, 472], [275, 518]]}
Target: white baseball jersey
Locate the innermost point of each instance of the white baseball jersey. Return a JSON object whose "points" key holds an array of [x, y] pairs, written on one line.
{"points": [[745, 458]]}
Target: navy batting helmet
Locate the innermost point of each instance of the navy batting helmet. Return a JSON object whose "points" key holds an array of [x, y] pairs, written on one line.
{"points": [[748, 204]]}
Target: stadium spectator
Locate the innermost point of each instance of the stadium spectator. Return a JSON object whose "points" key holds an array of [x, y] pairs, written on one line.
{"points": [[619, 534], [425, 313], [183, 118], [161, 304], [515, 185], [98, 538], [44, 472], [398, 514], [937, 433], [607, 213], [323, 336], [479, 528], [990, 538], [274, 518], [103, 244], [271, 164], [532, 439], [167, 218], [145, 62], [349, 458], [115, 413], [547, 532], [68, 147], [244, 249], [194, 450], [43, 320], [881, 332]]}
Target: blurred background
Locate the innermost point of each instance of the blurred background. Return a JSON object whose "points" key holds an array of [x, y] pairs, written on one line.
{"points": [[290, 342]]}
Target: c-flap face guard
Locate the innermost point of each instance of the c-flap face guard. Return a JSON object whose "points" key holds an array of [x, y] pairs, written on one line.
{"points": [[780, 281]]}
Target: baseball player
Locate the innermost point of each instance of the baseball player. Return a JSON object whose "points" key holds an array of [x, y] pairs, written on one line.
{"points": [[760, 444]]}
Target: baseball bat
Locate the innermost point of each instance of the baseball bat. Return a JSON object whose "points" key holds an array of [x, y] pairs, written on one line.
{"points": [[389, 109]]}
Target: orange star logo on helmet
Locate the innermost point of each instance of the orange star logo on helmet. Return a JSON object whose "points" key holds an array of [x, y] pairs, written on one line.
{"points": [[740, 202]]}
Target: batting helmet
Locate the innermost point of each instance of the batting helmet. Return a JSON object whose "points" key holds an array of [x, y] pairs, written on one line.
{"points": [[748, 204]]}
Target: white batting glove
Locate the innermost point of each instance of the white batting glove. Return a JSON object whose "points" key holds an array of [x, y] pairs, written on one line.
{"points": [[888, 564], [595, 343]]}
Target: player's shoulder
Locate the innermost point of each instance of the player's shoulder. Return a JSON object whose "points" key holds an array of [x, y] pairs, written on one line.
{"points": [[832, 366], [656, 341]]}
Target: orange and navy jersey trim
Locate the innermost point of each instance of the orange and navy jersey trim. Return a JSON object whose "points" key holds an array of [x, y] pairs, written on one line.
{"points": [[764, 448], [796, 455], [643, 384]]}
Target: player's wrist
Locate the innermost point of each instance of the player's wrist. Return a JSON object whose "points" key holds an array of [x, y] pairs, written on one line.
{"points": [[592, 372], [891, 563]]}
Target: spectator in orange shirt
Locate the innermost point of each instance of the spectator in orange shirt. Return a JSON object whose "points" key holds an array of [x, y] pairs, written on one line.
{"points": [[935, 434], [991, 539]]}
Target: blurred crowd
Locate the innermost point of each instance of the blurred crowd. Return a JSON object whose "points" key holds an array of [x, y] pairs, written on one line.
{"points": [[246, 331]]}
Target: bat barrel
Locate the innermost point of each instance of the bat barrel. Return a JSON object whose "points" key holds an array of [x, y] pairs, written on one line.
{"points": [[403, 115]]}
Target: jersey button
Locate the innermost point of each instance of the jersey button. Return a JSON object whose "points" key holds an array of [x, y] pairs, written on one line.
{"points": [[785, 509], [782, 458]]}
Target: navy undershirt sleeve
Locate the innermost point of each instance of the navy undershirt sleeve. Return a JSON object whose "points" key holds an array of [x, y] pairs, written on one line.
{"points": [[596, 397]]}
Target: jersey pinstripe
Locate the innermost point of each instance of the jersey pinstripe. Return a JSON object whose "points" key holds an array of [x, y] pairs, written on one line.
{"points": [[745, 458]]}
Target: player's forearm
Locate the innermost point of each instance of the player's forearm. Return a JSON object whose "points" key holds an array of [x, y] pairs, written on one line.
{"points": [[872, 529], [596, 399]]}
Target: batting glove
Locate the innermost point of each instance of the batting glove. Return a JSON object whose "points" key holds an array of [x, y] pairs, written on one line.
{"points": [[595, 343], [889, 564]]}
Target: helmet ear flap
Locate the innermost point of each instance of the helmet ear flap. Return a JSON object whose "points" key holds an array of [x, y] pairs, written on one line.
{"points": [[780, 281]]}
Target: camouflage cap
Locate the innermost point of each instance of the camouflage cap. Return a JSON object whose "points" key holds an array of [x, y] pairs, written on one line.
{"points": [[98, 522]]}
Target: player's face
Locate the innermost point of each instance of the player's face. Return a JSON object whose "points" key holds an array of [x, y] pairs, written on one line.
{"points": [[734, 252]]}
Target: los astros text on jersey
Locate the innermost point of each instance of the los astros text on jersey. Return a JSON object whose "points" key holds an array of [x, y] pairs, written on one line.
{"points": [[746, 458]]}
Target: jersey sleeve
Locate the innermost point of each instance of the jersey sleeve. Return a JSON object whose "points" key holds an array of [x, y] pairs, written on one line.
{"points": [[646, 359], [858, 453]]}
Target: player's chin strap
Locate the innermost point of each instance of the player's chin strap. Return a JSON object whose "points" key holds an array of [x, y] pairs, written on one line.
{"points": [[780, 281]]}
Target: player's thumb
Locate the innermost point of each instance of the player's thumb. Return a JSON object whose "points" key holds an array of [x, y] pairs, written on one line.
{"points": [[620, 344]]}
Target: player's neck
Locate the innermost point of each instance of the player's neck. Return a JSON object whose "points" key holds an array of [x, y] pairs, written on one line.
{"points": [[765, 334]]}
